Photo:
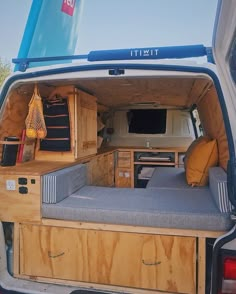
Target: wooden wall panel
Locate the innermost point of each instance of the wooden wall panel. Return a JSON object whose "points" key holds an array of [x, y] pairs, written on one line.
{"points": [[13, 114], [166, 263], [100, 170], [212, 120]]}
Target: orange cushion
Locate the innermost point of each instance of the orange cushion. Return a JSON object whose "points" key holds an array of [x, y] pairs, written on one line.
{"points": [[203, 156], [192, 146]]}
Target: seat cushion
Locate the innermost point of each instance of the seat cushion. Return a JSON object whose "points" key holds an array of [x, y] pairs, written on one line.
{"points": [[169, 177], [218, 187], [169, 208], [62, 183], [192, 146]]}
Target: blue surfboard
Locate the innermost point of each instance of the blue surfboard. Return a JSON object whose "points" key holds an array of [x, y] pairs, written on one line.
{"points": [[52, 29]]}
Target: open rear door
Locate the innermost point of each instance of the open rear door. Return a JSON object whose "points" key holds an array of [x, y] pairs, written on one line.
{"points": [[224, 51]]}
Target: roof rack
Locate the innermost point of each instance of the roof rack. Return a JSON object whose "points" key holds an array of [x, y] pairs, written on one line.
{"points": [[171, 52]]}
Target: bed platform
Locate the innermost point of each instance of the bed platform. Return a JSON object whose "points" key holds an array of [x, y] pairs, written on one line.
{"points": [[159, 231], [157, 207], [166, 202]]}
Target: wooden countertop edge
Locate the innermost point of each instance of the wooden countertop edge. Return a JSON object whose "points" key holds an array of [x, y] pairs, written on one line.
{"points": [[38, 167]]}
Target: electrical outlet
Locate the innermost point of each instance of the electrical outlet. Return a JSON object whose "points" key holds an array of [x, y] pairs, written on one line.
{"points": [[11, 185]]}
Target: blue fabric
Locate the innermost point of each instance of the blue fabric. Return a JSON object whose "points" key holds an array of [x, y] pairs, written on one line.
{"points": [[218, 187], [148, 53]]}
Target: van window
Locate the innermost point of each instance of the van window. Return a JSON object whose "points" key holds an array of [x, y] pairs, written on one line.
{"points": [[232, 61], [197, 126], [147, 121]]}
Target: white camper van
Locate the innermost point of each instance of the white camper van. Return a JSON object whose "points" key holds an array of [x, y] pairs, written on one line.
{"points": [[119, 176]]}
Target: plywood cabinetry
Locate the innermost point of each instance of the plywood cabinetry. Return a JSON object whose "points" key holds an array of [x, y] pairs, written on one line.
{"points": [[124, 159], [130, 161], [123, 177], [20, 198], [20, 190], [83, 126], [124, 170], [157, 262], [101, 170]]}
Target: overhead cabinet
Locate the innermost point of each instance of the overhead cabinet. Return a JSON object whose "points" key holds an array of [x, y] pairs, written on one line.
{"points": [[82, 109]]}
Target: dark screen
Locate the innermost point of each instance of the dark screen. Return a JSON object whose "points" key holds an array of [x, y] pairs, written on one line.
{"points": [[147, 121]]}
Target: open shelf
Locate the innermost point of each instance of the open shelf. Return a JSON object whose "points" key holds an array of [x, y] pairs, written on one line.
{"points": [[155, 163]]}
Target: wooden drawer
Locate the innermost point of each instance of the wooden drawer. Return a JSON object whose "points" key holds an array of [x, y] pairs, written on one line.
{"points": [[146, 261], [124, 159]]}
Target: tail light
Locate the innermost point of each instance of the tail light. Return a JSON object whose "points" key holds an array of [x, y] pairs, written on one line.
{"points": [[228, 274], [230, 268]]}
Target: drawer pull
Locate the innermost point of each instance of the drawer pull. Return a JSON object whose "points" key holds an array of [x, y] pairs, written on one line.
{"points": [[151, 263], [55, 256]]}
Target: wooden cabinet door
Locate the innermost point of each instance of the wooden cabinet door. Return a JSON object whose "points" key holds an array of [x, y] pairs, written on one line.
{"points": [[86, 124], [156, 262], [123, 178]]}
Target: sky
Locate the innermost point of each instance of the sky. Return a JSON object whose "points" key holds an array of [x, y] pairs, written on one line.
{"points": [[115, 24]]}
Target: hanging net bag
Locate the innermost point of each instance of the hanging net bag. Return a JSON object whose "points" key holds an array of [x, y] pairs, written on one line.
{"points": [[35, 124]]}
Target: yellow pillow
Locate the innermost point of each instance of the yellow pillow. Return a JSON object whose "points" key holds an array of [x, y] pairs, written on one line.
{"points": [[192, 146], [203, 156]]}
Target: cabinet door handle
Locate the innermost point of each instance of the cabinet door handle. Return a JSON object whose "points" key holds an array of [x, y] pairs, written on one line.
{"points": [[151, 263], [56, 255]]}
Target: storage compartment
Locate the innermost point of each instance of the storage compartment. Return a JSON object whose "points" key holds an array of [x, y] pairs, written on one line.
{"points": [[157, 262], [142, 174], [56, 115], [156, 157], [124, 159]]}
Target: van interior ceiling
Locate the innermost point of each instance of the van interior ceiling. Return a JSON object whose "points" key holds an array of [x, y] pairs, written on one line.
{"points": [[110, 185]]}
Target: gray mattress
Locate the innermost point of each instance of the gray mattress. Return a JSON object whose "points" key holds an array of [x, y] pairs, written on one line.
{"points": [[179, 208], [170, 177]]}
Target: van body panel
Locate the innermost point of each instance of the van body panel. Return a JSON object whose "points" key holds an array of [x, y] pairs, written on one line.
{"points": [[223, 40]]}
